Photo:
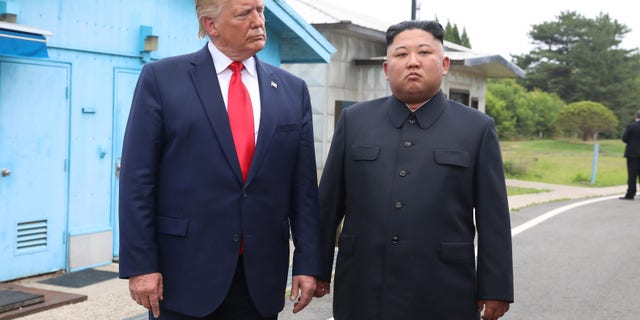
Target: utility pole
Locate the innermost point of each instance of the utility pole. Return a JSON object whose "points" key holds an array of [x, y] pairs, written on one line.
{"points": [[413, 9]]}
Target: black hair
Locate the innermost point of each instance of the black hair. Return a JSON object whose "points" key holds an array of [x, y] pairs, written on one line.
{"points": [[433, 27]]}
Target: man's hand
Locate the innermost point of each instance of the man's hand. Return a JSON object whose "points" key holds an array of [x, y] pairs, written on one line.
{"points": [[322, 288], [302, 288], [493, 309], [146, 290]]}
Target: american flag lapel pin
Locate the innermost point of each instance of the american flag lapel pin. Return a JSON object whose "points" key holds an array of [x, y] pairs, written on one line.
{"points": [[273, 84]]}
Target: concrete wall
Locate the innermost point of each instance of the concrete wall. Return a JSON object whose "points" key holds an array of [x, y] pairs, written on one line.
{"points": [[341, 80]]}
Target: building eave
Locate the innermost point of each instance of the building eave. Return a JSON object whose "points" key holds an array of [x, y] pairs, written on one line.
{"points": [[300, 42]]}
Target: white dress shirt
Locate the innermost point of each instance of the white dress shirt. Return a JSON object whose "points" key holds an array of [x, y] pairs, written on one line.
{"points": [[249, 78]]}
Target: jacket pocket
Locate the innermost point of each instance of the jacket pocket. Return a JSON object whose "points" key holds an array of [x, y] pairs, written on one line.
{"points": [[457, 252], [286, 127], [365, 152], [175, 226], [452, 157], [346, 244]]}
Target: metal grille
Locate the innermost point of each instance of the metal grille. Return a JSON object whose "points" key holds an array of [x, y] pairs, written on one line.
{"points": [[31, 235]]}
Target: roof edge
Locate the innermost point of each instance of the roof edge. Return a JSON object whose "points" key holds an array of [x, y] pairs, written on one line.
{"points": [[319, 44]]}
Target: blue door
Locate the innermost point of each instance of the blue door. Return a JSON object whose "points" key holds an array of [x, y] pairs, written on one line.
{"points": [[34, 122], [125, 84]]}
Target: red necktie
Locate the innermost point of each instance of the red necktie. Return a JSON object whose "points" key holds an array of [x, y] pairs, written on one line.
{"points": [[241, 118]]}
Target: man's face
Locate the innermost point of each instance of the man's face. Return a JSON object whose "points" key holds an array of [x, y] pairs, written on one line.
{"points": [[415, 66], [239, 31]]}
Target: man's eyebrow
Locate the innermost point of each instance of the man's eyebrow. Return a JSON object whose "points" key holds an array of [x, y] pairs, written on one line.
{"points": [[404, 47]]}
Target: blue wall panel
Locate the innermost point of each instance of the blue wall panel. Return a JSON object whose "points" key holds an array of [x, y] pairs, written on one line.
{"points": [[99, 41]]}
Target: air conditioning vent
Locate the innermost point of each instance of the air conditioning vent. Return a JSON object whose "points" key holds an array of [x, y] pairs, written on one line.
{"points": [[31, 235]]}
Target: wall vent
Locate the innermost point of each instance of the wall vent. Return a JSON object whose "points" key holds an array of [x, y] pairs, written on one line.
{"points": [[31, 235]]}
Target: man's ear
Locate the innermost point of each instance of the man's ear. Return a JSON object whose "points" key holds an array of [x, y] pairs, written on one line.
{"points": [[211, 27], [384, 67], [446, 63]]}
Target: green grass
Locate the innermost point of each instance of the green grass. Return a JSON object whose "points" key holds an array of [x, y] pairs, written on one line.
{"points": [[514, 191], [567, 162]]}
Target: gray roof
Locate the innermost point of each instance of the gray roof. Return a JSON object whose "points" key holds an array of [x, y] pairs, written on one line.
{"points": [[331, 17]]}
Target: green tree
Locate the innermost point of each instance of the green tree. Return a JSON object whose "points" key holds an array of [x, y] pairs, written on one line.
{"points": [[451, 33], [505, 120], [509, 109], [521, 114], [586, 118], [464, 38], [545, 108], [580, 59]]}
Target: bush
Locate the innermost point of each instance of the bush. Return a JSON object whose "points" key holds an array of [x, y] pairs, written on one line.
{"points": [[515, 168], [581, 178]]}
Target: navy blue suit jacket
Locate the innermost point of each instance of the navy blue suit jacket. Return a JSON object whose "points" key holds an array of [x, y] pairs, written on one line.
{"points": [[183, 205]]}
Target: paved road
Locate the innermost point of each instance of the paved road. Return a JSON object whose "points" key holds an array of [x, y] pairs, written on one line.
{"points": [[573, 260], [583, 263]]}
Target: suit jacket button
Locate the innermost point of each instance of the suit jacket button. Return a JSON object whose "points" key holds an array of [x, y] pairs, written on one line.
{"points": [[408, 144], [403, 173], [236, 237], [398, 204], [395, 240]]}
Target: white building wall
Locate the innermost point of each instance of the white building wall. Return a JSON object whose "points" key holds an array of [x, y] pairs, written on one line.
{"points": [[340, 80], [474, 83]]}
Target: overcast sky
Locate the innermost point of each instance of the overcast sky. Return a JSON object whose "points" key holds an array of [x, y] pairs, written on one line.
{"points": [[501, 26]]}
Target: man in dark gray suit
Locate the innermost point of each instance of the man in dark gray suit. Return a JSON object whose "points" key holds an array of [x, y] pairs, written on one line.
{"points": [[416, 177], [631, 137]]}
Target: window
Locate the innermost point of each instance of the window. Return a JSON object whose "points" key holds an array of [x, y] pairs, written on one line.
{"points": [[459, 96]]}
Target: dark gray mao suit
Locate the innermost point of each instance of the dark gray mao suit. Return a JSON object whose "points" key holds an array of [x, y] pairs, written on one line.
{"points": [[407, 186]]}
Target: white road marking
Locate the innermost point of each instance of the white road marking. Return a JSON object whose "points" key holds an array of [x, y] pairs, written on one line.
{"points": [[541, 218]]}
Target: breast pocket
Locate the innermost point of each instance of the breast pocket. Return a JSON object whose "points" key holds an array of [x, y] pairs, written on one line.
{"points": [[364, 152], [453, 157], [287, 127], [285, 142]]}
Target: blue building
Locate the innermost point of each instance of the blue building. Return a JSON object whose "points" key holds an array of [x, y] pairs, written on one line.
{"points": [[68, 69]]}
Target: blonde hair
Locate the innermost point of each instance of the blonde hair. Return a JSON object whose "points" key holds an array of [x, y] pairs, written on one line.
{"points": [[207, 8]]}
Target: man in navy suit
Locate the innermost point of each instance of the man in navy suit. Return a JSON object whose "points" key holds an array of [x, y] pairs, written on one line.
{"points": [[631, 137], [201, 238], [417, 178]]}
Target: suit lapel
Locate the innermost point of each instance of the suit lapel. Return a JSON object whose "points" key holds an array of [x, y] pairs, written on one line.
{"points": [[206, 83], [268, 116]]}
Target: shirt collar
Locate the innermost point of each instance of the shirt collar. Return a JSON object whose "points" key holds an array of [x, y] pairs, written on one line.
{"points": [[222, 62]]}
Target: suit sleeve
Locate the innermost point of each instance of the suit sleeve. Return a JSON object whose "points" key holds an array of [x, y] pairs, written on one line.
{"points": [[139, 165], [625, 135], [332, 196], [305, 220], [495, 262]]}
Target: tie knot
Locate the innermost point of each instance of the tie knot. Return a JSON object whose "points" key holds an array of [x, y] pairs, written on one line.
{"points": [[236, 66]]}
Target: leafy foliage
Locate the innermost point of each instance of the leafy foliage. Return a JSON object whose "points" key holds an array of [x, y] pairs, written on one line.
{"points": [[587, 118], [452, 34], [519, 113], [579, 59]]}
